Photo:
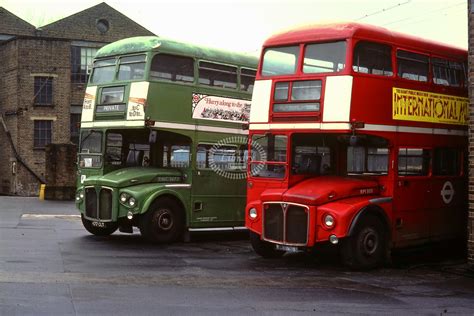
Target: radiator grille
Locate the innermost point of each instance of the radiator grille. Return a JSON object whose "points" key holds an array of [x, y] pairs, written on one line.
{"points": [[273, 223], [99, 206], [285, 223], [105, 204], [296, 225], [91, 203]]}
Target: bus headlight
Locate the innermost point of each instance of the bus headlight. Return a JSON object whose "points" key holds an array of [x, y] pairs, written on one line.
{"points": [[123, 197], [127, 200], [253, 213], [329, 221], [79, 196]]}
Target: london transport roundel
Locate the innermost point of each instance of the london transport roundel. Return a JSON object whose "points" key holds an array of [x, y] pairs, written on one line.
{"points": [[447, 192]]}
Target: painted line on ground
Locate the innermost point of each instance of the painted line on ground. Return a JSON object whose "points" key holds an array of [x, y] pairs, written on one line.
{"points": [[50, 216]]}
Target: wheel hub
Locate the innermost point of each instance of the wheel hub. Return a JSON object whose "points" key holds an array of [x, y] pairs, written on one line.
{"points": [[370, 242], [164, 220]]}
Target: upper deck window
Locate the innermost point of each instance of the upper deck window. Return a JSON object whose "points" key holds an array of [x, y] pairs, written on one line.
{"points": [[412, 66], [372, 58], [447, 73], [132, 67], [173, 68], [104, 71], [280, 61], [325, 57], [217, 75], [247, 79]]}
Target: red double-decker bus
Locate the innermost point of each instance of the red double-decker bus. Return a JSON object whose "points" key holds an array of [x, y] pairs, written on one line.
{"points": [[358, 137]]}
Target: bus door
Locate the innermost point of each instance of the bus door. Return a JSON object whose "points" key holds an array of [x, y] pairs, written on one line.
{"points": [[449, 208], [412, 195], [218, 189]]}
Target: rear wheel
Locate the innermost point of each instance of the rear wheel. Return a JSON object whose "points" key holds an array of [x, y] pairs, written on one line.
{"points": [[163, 222], [264, 248], [99, 228], [365, 249]]}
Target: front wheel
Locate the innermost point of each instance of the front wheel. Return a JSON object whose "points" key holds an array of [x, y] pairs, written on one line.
{"points": [[163, 222], [99, 228], [365, 249], [264, 248]]}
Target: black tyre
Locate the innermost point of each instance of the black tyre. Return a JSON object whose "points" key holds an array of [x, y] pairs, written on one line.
{"points": [[104, 229], [366, 248], [163, 222], [264, 248]]}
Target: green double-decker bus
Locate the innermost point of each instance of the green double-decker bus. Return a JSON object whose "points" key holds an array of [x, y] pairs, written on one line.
{"points": [[162, 144]]}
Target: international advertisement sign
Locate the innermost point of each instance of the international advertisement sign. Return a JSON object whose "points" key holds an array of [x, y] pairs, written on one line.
{"points": [[420, 106], [208, 107]]}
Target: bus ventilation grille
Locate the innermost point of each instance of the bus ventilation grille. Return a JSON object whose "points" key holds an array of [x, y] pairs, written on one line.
{"points": [[285, 223], [105, 204], [91, 203], [100, 207]]}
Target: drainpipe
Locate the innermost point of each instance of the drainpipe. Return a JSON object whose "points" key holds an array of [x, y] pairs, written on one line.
{"points": [[12, 145]]}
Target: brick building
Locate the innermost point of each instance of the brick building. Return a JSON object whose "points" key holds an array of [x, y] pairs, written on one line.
{"points": [[42, 85], [470, 242]]}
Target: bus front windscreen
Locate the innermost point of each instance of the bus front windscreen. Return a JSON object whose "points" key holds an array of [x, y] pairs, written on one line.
{"points": [[268, 155], [90, 155]]}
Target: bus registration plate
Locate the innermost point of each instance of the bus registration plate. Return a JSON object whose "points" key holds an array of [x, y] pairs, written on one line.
{"points": [[98, 224], [286, 248]]}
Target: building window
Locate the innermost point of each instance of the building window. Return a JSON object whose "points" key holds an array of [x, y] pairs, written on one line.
{"points": [[43, 91], [81, 58], [75, 120], [42, 133], [103, 26]]}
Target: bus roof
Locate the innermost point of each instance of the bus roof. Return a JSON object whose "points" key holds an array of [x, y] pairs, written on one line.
{"points": [[333, 31], [154, 43]]}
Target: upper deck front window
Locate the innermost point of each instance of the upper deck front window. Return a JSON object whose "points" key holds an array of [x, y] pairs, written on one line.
{"points": [[280, 61], [325, 57], [132, 67], [104, 71], [129, 68]]}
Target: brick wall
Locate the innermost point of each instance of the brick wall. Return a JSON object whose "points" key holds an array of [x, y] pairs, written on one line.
{"points": [[60, 164], [8, 104], [470, 241]]}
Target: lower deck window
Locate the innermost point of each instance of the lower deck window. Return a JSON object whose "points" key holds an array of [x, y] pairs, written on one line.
{"points": [[363, 160], [413, 161]]}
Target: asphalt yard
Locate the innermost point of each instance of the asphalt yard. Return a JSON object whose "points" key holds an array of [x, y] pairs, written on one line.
{"points": [[49, 265]]}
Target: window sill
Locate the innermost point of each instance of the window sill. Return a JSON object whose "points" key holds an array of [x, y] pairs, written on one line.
{"points": [[43, 105]]}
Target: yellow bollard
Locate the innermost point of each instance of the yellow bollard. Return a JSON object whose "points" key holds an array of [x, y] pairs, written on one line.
{"points": [[41, 192]]}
